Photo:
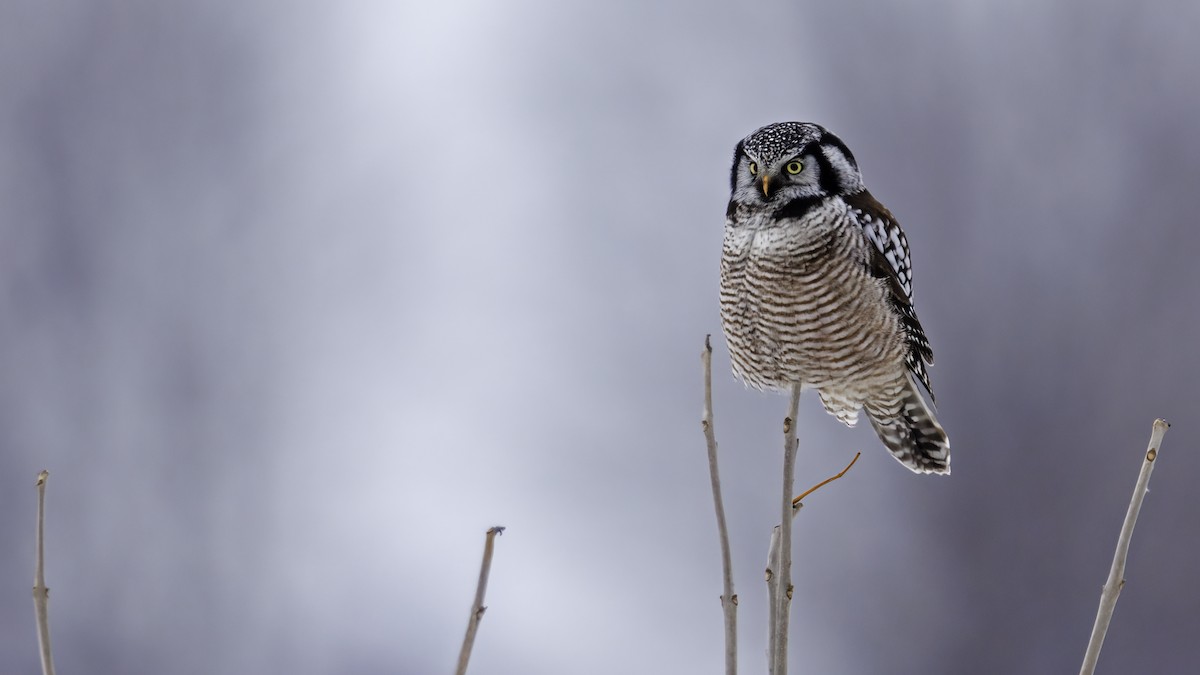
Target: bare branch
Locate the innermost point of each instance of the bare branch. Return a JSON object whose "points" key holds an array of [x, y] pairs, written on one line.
{"points": [[477, 609], [41, 594], [772, 594], [728, 597], [783, 590], [1116, 574], [773, 589]]}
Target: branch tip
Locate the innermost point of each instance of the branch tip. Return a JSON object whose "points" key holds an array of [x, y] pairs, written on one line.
{"points": [[477, 607], [41, 593], [1116, 574]]}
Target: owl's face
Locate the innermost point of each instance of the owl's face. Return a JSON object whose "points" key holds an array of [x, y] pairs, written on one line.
{"points": [[786, 161]]}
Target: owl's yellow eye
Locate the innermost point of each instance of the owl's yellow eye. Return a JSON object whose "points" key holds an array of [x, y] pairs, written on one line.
{"points": [[793, 167], [753, 169]]}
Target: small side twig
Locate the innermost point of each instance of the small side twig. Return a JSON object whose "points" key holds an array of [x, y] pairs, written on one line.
{"points": [[783, 590], [41, 594], [728, 597], [477, 608], [797, 501], [1116, 574]]}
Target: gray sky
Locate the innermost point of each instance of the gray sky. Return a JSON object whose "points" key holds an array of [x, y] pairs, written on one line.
{"points": [[296, 302]]}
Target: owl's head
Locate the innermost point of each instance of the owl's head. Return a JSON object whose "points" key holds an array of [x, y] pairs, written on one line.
{"points": [[785, 161]]}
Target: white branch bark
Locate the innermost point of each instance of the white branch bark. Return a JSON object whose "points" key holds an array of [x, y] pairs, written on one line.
{"points": [[772, 596], [783, 571], [477, 608], [1116, 574], [41, 594], [728, 597], [773, 590]]}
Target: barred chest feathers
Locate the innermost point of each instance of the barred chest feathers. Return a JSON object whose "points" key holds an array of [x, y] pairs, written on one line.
{"points": [[800, 305]]}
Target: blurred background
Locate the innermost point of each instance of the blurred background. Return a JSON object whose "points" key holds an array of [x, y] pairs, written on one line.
{"points": [[296, 302]]}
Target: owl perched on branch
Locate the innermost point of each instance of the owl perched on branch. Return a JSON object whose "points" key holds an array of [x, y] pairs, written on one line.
{"points": [[816, 290]]}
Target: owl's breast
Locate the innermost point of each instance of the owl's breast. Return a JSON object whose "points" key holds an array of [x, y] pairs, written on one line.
{"points": [[798, 302]]}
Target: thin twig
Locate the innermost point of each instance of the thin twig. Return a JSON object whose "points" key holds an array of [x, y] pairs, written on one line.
{"points": [[783, 591], [1116, 574], [477, 609], [728, 597], [772, 597], [796, 502], [41, 594]]}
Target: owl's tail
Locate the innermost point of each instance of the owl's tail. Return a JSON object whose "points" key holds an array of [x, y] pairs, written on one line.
{"points": [[913, 435]]}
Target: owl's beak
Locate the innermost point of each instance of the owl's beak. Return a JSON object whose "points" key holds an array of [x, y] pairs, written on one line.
{"points": [[766, 186]]}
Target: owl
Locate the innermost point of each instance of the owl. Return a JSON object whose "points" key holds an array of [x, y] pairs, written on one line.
{"points": [[816, 290]]}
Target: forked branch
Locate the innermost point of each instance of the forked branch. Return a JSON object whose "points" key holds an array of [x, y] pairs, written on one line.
{"points": [[779, 556], [774, 564]]}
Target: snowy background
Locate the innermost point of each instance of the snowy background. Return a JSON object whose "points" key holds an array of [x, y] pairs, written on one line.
{"points": [[297, 301]]}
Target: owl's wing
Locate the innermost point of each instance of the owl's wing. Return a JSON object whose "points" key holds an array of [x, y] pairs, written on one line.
{"points": [[890, 262]]}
